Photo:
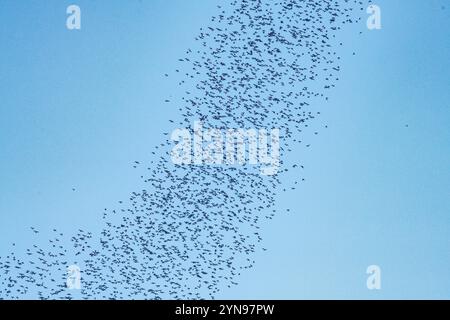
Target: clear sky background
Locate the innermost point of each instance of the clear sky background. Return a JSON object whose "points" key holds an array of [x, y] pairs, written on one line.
{"points": [[78, 107]]}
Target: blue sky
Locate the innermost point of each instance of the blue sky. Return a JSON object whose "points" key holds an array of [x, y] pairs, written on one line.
{"points": [[78, 107]]}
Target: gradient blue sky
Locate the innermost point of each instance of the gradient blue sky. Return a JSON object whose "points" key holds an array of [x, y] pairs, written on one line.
{"points": [[78, 107]]}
